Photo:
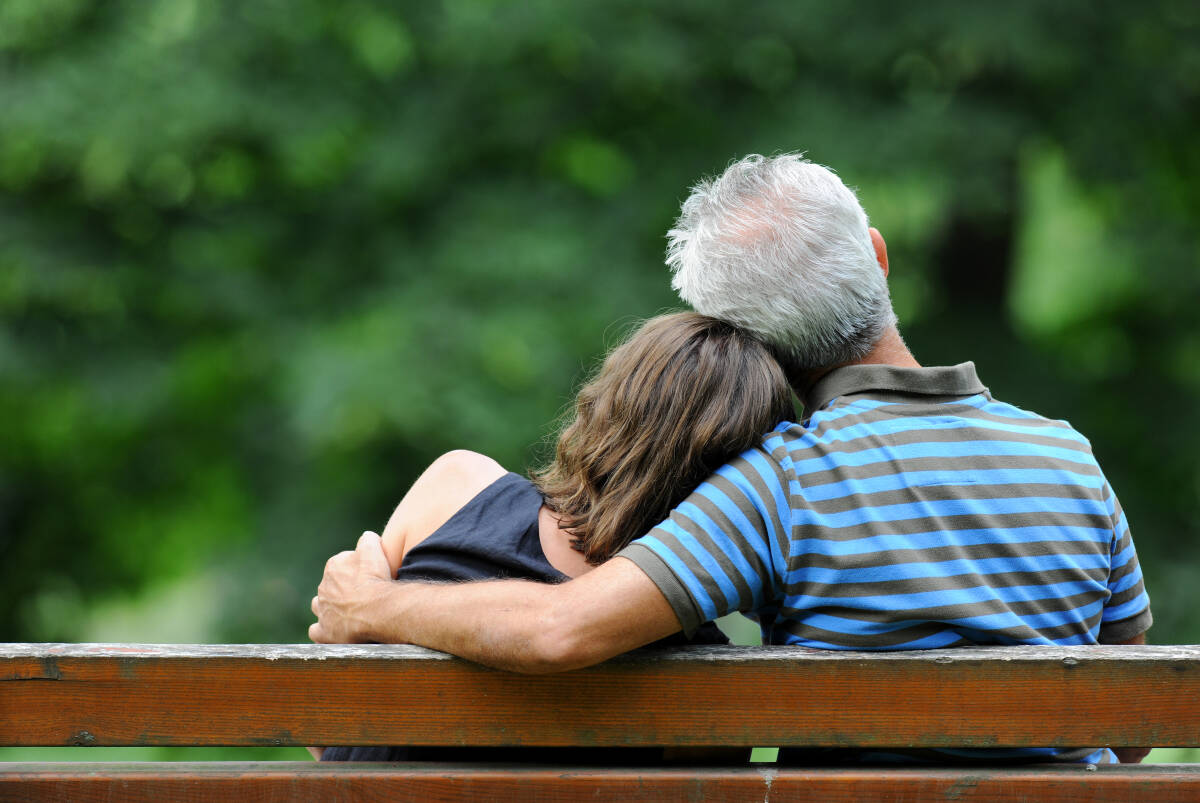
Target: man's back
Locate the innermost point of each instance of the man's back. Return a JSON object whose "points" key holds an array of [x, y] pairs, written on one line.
{"points": [[910, 511]]}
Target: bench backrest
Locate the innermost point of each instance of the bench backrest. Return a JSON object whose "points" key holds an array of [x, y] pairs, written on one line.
{"points": [[255, 695]]}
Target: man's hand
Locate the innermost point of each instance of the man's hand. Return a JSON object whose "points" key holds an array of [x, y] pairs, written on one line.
{"points": [[353, 581], [509, 624]]}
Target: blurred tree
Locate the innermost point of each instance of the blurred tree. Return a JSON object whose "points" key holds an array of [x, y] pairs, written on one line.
{"points": [[259, 263]]}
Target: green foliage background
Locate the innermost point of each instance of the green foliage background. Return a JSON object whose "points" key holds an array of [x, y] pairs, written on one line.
{"points": [[260, 262]]}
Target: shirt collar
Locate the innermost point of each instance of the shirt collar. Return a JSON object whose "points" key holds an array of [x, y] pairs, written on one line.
{"points": [[951, 380]]}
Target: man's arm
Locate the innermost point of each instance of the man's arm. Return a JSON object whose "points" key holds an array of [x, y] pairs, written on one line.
{"points": [[509, 624], [1126, 616]]}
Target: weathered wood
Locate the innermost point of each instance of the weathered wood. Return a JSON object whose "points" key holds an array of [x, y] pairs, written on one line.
{"points": [[287, 781], [55, 694]]}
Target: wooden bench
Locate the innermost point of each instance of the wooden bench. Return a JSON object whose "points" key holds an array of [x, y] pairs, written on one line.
{"points": [[254, 695]]}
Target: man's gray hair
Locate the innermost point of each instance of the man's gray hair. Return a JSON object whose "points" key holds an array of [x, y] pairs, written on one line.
{"points": [[779, 246]]}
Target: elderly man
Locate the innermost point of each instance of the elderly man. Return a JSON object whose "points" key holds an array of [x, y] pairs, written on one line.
{"points": [[908, 510]]}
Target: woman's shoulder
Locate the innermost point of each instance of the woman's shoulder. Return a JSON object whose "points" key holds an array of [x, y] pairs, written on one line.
{"points": [[455, 478], [468, 471], [449, 483]]}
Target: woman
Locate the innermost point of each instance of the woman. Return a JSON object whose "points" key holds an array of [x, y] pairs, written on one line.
{"points": [[677, 400]]}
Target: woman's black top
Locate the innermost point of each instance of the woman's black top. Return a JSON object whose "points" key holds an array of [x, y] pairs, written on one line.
{"points": [[495, 535]]}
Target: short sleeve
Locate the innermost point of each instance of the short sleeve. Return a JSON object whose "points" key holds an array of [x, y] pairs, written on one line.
{"points": [[1127, 611], [722, 550]]}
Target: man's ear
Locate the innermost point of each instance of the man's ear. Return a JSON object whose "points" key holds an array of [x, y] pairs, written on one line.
{"points": [[880, 249]]}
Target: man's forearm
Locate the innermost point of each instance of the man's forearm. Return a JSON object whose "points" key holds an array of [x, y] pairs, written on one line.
{"points": [[509, 624], [506, 624]]}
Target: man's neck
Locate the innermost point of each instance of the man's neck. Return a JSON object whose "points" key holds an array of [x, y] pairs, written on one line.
{"points": [[889, 349]]}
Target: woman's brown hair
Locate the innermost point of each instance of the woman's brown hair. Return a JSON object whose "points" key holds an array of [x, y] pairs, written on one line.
{"points": [[683, 395]]}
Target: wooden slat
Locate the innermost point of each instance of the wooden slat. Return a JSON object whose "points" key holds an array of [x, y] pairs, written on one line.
{"points": [[387, 694], [287, 781]]}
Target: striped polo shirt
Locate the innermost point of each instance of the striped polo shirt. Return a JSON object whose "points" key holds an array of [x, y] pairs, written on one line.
{"points": [[911, 510]]}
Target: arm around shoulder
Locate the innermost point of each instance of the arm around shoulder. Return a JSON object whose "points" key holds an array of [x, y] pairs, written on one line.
{"points": [[508, 624], [608, 611]]}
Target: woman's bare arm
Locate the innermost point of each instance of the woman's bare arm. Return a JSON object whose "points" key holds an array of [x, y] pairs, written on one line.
{"points": [[442, 489], [450, 482]]}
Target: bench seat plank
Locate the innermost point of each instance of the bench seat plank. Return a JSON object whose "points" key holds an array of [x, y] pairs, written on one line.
{"points": [[286, 781], [254, 695]]}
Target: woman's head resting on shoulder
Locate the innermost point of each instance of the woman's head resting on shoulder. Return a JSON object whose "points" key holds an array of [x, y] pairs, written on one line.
{"points": [[680, 397]]}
